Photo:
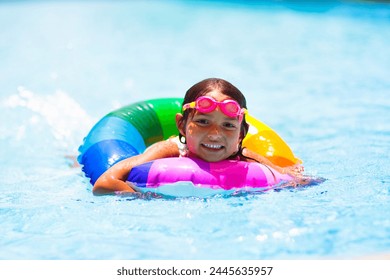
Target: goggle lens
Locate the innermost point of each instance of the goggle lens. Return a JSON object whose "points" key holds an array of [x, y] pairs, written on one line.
{"points": [[230, 108], [205, 105]]}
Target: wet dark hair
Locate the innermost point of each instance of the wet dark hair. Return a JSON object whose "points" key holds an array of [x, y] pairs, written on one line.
{"points": [[224, 87]]}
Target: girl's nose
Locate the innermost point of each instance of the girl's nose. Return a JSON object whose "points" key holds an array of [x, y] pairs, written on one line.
{"points": [[214, 133]]}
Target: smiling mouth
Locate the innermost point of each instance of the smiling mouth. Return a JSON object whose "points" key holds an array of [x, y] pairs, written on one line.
{"points": [[213, 146]]}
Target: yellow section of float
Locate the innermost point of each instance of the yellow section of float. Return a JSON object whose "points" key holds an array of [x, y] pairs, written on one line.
{"points": [[265, 141]]}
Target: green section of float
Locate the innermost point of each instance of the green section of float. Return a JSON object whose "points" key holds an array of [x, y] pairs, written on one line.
{"points": [[142, 116], [152, 118], [166, 110]]}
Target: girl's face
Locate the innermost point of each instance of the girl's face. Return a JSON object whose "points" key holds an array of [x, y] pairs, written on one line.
{"points": [[211, 136]]}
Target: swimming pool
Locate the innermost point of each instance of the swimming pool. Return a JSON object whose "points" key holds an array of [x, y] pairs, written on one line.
{"points": [[317, 75]]}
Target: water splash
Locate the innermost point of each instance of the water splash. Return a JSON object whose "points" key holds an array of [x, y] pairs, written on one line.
{"points": [[68, 123]]}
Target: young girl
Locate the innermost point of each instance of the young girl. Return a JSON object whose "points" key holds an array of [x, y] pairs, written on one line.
{"points": [[211, 127]]}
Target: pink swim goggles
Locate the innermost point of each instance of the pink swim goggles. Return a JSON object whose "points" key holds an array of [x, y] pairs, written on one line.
{"points": [[207, 104]]}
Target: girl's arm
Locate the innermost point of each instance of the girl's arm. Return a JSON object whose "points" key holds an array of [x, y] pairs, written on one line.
{"points": [[114, 179], [295, 170]]}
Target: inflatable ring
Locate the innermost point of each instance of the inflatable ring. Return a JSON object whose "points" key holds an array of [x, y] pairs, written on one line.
{"points": [[129, 130]]}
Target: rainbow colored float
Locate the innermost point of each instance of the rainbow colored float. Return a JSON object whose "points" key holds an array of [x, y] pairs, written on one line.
{"points": [[128, 131]]}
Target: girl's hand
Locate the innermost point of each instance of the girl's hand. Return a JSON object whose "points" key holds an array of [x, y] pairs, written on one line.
{"points": [[294, 170]]}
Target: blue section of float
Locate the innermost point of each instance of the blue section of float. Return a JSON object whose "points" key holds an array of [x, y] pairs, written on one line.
{"points": [[140, 174], [104, 154], [113, 128]]}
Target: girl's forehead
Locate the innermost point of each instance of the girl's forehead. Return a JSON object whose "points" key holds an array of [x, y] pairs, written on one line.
{"points": [[217, 95]]}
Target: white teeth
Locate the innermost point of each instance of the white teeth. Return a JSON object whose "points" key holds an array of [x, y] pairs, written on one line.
{"points": [[213, 146]]}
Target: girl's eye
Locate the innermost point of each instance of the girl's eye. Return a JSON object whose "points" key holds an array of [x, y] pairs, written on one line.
{"points": [[229, 125], [202, 121]]}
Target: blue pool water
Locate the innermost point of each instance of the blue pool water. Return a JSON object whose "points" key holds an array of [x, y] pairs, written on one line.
{"points": [[319, 75]]}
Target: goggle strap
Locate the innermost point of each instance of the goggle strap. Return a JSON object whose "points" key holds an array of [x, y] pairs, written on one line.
{"points": [[189, 105]]}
